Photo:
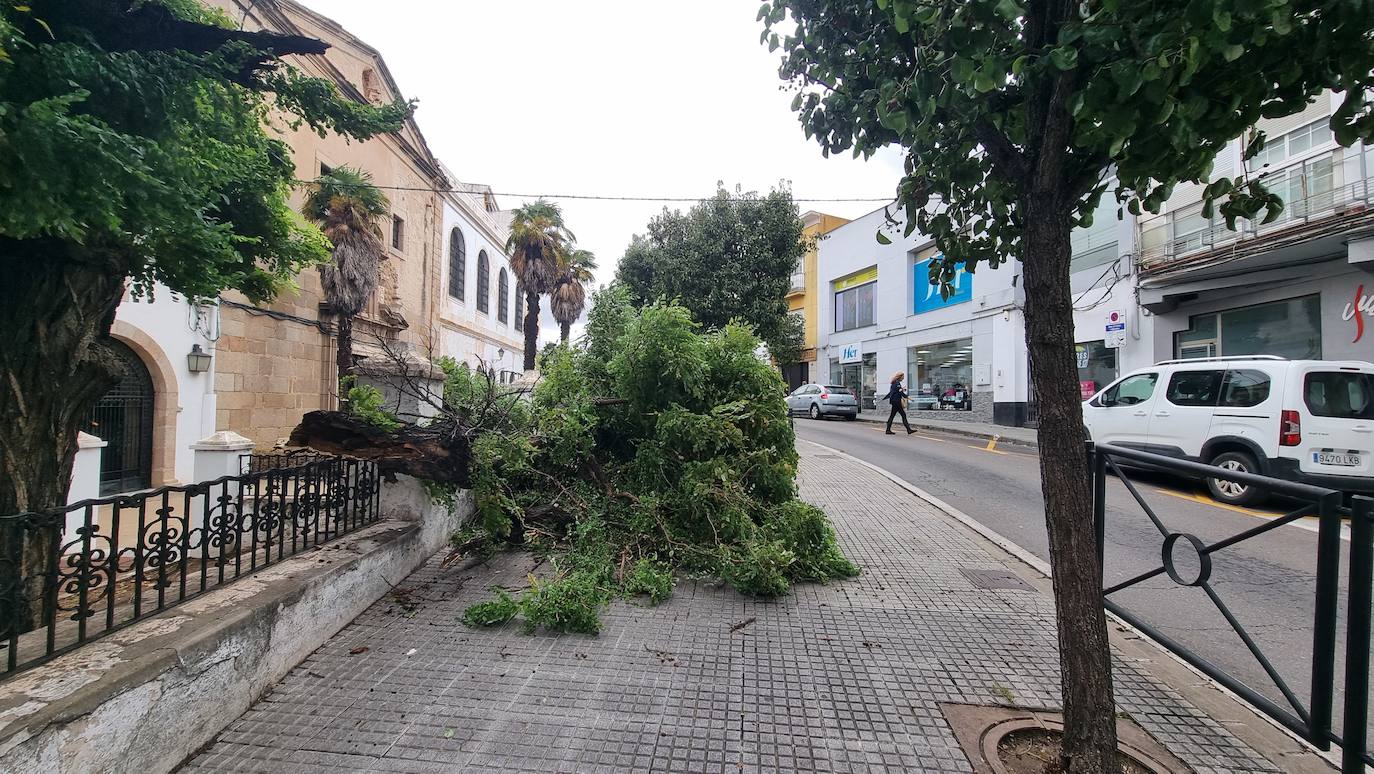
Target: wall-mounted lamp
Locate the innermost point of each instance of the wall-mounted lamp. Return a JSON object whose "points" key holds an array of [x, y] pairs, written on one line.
{"points": [[197, 362], [500, 353]]}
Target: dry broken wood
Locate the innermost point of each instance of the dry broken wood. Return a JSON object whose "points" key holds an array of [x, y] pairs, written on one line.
{"points": [[439, 451]]}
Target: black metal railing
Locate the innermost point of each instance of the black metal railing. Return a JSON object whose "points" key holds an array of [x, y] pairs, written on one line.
{"points": [[259, 462], [72, 574], [1311, 719]]}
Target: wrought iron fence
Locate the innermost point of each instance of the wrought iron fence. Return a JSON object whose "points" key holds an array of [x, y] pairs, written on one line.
{"points": [[1312, 719], [72, 574], [258, 462]]}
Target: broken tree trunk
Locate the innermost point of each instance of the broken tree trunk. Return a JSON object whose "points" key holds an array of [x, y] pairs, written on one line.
{"points": [[439, 451]]}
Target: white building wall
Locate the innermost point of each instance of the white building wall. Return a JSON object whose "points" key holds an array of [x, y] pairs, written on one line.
{"points": [[471, 336], [992, 318], [174, 325]]}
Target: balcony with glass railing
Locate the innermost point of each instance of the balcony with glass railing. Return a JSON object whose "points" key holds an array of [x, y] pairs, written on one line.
{"points": [[1317, 200]]}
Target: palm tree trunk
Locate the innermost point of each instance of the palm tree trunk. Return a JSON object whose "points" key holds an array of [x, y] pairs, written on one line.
{"points": [[344, 356], [531, 328], [565, 329]]}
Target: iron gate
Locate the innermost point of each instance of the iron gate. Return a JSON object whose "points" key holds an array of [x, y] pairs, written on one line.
{"points": [[1311, 720], [123, 418]]}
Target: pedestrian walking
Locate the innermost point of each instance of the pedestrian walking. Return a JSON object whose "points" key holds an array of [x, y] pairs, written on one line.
{"points": [[897, 396]]}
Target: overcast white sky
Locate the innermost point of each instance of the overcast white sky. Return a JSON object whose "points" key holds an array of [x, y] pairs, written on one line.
{"points": [[606, 98]]}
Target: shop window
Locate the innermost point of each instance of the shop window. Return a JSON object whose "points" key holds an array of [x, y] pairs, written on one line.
{"points": [[1194, 388], [1289, 328], [941, 375], [1096, 366], [861, 377]]}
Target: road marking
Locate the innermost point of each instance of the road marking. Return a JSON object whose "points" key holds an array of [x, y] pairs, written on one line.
{"points": [[992, 443], [1205, 500], [989, 449]]}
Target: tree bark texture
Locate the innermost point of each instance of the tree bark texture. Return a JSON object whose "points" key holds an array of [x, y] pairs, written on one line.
{"points": [[439, 451], [564, 330], [57, 305], [344, 352], [531, 329], [1089, 744]]}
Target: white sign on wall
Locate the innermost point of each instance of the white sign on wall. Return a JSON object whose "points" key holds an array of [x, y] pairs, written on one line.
{"points": [[851, 353], [1115, 332]]}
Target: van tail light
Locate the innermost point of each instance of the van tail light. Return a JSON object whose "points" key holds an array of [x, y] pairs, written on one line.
{"points": [[1290, 428]]}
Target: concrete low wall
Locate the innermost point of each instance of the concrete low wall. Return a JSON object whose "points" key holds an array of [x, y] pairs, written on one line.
{"points": [[147, 697]]}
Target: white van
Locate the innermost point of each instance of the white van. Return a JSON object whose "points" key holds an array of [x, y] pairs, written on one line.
{"points": [[1301, 420]]}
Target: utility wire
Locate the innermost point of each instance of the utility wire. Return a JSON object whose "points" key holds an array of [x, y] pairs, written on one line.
{"points": [[591, 197]]}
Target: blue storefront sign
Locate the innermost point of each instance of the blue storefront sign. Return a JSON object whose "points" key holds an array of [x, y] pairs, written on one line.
{"points": [[927, 298]]}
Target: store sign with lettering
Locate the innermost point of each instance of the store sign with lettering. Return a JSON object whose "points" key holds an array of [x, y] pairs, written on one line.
{"points": [[927, 297], [851, 353], [1362, 306]]}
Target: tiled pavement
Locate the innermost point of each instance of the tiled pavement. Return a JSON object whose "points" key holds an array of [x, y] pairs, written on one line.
{"points": [[840, 677]]}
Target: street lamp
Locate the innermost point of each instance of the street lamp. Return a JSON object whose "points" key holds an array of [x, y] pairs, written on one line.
{"points": [[197, 362]]}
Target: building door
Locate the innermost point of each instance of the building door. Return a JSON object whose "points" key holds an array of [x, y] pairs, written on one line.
{"points": [[123, 417]]}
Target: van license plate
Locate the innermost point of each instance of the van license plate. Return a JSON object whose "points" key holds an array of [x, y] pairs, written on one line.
{"points": [[1331, 458]]}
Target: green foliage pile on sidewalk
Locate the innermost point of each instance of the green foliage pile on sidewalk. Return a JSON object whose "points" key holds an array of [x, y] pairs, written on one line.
{"points": [[657, 448]]}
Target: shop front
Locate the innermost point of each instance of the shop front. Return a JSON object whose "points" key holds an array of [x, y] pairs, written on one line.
{"points": [[1096, 366], [859, 372], [940, 376]]}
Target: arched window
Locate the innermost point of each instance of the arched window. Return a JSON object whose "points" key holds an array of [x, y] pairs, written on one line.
{"points": [[483, 282], [519, 307], [502, 296], [457, 264], [123, 417]]}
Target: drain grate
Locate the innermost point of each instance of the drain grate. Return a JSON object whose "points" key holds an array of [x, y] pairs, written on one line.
{"points": [[995, 579]]}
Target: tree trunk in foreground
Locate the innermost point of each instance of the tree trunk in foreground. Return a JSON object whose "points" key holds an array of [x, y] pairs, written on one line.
{"points": [[531, 328], [1089, 745], [439, 451], [56, 306]]}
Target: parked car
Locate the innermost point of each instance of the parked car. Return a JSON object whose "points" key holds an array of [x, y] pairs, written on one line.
{"points": [[1300, 420], [823, 400]]}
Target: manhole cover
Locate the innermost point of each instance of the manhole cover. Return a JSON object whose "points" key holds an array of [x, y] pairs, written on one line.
{"points": [[995, 579]]}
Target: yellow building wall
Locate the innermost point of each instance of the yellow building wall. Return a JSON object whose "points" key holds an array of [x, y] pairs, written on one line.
{"points": [[815, 226]]}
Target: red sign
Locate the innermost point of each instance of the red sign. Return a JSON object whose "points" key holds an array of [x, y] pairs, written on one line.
{"points": [[1087, 388], [1361, 306]]}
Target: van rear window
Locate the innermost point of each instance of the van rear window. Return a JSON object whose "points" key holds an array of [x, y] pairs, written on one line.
{"points": [[1341, 394]]}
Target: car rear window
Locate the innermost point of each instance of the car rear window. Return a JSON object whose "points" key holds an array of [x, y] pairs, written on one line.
{"points": [[1341, 394], [835, 388]]}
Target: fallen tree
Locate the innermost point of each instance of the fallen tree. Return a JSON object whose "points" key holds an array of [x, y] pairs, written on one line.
{"points": [[657, 448]]}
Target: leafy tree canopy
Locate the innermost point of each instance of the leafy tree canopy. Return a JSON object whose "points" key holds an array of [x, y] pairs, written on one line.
{"points": [[974, 91], [729, 258], [134, 134]]}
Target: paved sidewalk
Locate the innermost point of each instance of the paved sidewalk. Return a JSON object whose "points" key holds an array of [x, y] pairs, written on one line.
{"points": [[934, 420], [840, 677]]}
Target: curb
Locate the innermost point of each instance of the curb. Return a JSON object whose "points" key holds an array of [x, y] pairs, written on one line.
{"points": [[1264, 746], [981, 435]]}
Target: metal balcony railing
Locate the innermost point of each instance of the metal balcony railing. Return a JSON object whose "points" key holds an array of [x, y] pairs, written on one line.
{"points": [[1305, 217]]}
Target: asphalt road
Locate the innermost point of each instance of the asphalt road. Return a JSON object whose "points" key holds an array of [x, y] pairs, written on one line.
{"points": [[1267, 582]]}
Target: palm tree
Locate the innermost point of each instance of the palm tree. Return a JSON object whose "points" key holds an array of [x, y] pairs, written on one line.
{"points": [[537, 246], [349, 209], [569, 294]]}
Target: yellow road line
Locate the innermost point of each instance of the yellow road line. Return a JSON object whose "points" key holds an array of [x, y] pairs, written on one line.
{"points": [[989, 449], [1205, 500], [992, 443]]}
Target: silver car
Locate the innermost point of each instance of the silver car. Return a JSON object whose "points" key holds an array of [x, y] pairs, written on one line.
{"points": [[823, 400]]}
